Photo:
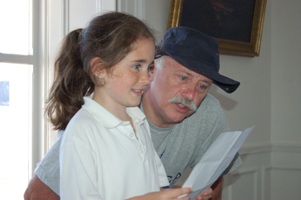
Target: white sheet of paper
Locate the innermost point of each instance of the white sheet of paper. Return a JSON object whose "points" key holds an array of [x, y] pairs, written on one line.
{"points": [[215, 161]]}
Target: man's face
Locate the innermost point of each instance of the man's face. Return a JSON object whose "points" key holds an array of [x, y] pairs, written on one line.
{"points": [[175, 92]]}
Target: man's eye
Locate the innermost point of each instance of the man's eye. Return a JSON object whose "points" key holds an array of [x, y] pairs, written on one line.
{"points": [[183, 78], [203, 87]]}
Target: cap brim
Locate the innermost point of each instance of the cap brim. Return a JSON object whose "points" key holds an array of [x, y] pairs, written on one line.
{"points": [[225, 83]]}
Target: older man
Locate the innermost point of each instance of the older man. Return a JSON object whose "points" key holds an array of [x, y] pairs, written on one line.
{"points": [[184, 119]]}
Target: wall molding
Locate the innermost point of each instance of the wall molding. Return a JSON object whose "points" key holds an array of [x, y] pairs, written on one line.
{"points": [[260, 162], [244, 172], [255, 149], [270, 147], [286, 147]]}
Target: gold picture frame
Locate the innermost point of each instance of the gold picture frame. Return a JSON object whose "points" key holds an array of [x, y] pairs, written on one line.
{"points": [[186, 13]]}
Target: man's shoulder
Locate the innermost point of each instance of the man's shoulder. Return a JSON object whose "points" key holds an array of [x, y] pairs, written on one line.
{"points": [[209, 116], [210, 102], [209, 106]]}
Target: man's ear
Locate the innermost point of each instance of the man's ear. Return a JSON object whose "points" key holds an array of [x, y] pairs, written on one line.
{"points": [[97, 67]]}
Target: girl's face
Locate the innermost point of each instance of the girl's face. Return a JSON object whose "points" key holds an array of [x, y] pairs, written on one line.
{"points": [[126, 83]]}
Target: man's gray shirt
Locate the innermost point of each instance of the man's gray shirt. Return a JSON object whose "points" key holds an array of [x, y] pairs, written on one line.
{"points": [[179, 146]]}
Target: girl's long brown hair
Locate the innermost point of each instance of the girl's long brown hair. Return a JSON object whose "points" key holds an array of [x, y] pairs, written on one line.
{"points": [[110, 37]]}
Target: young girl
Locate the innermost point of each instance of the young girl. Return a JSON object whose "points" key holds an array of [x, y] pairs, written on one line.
{"points": [[106, 151]]}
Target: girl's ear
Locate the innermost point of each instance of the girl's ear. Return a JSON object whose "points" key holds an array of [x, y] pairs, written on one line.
{"points": [[97, 67]]}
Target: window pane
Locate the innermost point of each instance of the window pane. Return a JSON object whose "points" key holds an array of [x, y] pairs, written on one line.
{"points": [[15, 129], [15, 24]]}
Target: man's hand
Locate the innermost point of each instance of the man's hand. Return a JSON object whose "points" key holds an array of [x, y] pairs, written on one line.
{"points": [[217, 189], [206, 195], [37, 190]]}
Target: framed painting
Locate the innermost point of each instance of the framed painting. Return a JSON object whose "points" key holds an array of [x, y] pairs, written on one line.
{"points": [[237, 24]]}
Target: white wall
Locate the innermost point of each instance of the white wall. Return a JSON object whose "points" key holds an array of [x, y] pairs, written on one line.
{"points": [[286, 71], [267, 98], [285, 98]]}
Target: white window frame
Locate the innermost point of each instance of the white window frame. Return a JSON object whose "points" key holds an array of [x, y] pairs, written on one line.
{"points": [[57, 18], [37, 82]]}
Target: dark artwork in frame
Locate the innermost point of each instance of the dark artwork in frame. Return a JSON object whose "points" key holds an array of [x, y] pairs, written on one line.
{"points": [[230, 19], [237, 24]]}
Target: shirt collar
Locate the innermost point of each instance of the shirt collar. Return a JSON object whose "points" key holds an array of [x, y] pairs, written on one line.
{"points": [[106, 118]]}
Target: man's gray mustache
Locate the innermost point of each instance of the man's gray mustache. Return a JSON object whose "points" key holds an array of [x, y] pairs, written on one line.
{"points": [[188, 103]]}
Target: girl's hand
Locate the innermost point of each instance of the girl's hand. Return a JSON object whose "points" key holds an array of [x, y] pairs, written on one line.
{"points": [[166, 194]]}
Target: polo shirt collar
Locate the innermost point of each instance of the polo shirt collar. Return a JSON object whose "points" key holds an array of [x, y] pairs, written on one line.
{"points": [[106, 118]]}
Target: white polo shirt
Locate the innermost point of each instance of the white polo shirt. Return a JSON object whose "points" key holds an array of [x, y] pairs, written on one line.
{"points": [[102, 158]]}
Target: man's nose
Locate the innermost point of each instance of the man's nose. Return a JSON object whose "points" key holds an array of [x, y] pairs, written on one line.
{"points": [[189, 91]]}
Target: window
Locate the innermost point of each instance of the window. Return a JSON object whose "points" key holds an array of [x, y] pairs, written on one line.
{"points": [[31, 31], [17, 66]]}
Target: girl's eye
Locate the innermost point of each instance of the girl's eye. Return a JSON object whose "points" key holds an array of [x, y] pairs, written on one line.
{"points": [[136, 67]]}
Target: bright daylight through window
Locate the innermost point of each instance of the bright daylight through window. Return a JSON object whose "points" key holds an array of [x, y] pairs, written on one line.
{"points": [[16, 69]]}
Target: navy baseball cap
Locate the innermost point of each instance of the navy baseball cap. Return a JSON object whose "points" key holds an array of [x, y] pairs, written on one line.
{"points": [[197, 52]]}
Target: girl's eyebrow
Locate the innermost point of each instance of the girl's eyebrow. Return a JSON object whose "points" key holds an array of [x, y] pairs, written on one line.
{"points": [[140, 60], [143, 61]]}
